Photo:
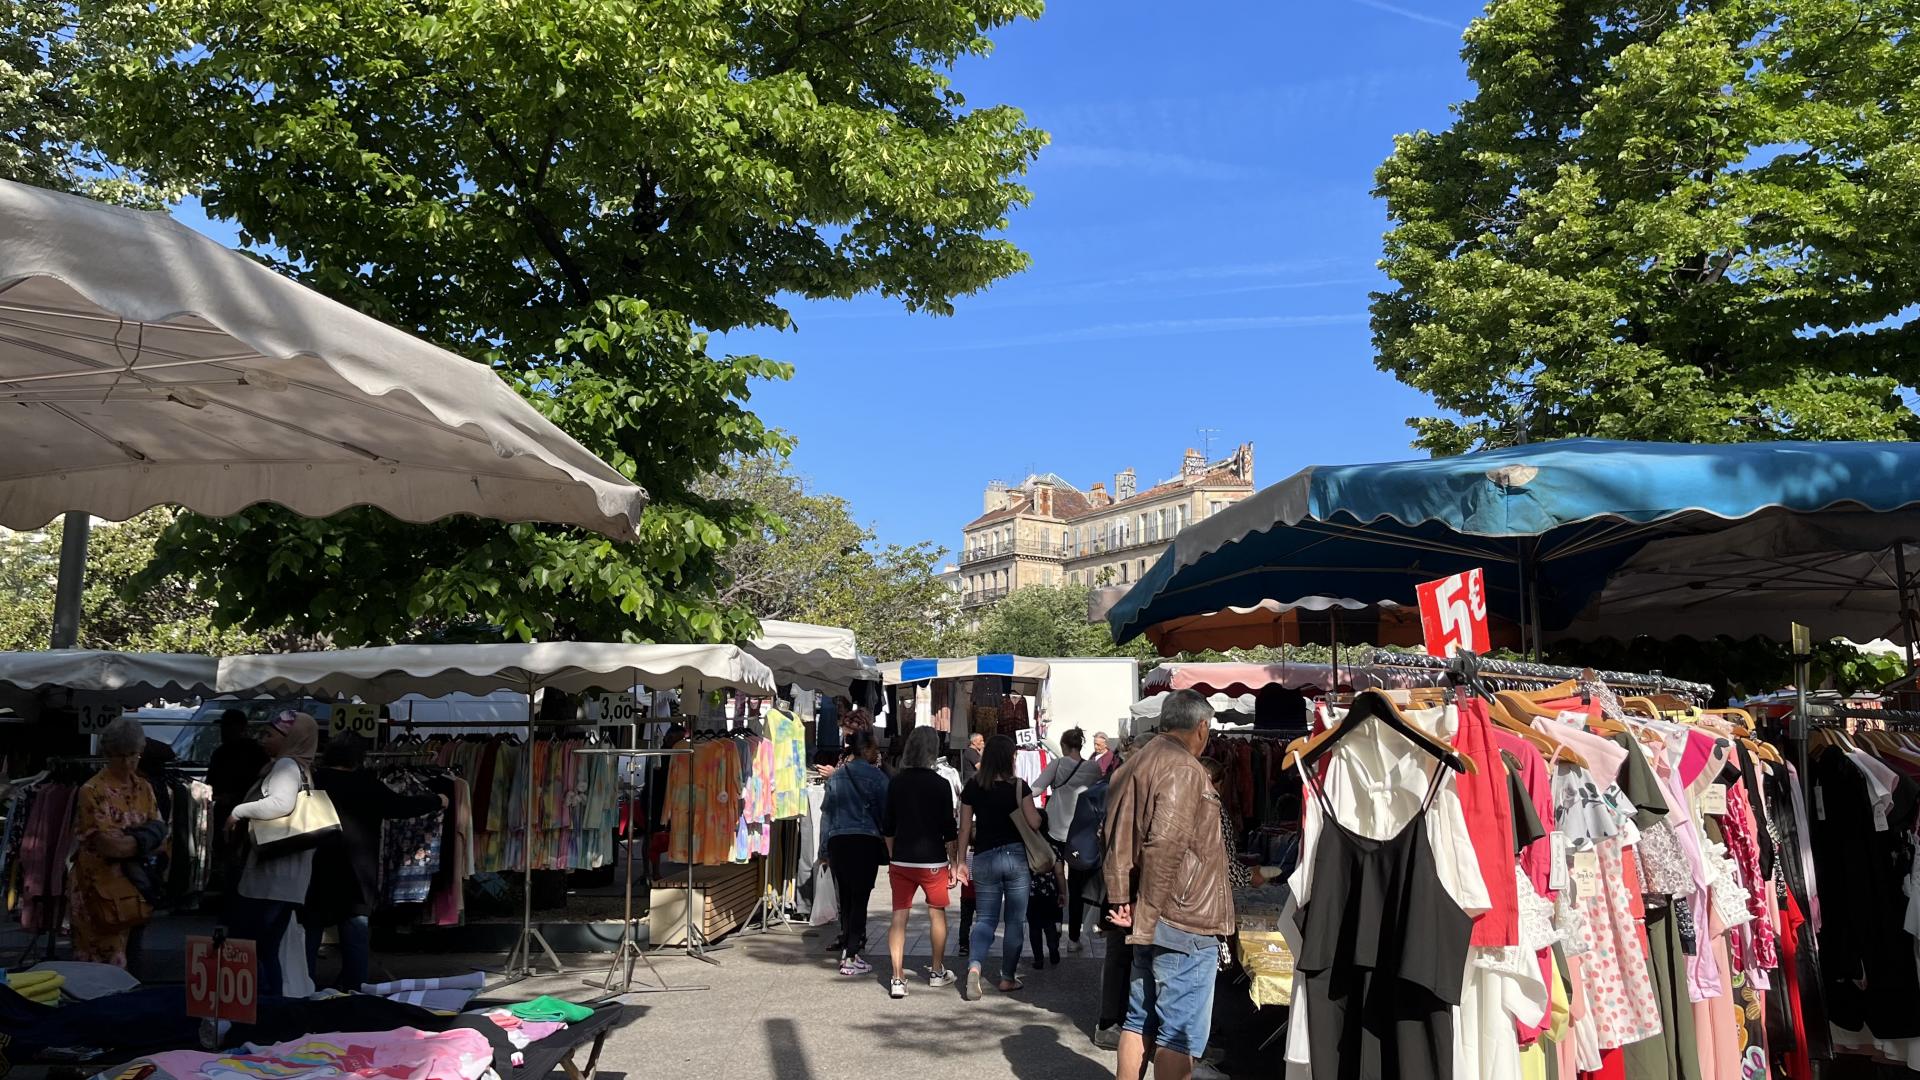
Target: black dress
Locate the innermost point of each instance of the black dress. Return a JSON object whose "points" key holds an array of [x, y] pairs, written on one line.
{"points": [[1383, 953]]}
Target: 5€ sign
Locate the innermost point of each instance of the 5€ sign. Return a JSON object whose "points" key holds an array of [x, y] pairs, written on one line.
{"points": [[223, 981], [1453, 614]]}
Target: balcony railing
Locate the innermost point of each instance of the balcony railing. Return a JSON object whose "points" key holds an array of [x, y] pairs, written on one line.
{"points": [[978, 597], [1032, 549]]}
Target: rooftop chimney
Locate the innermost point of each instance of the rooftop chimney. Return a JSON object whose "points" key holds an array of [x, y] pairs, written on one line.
{"points": [[1043, 499], [997, 498], [1123, 485], [1194, 464], [1098, 495]]}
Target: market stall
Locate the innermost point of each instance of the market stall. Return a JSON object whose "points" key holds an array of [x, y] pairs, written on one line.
{"points": [[1667, 925], [991, 695], [501, 841]]}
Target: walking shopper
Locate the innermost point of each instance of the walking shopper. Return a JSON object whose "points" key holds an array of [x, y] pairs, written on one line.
{"points": [[115, 827], [1000, 875], [1166, 875], [852, 814], [922, 842], [969, 768], [271, 887], [1104, 755], [970, 757], [346, 867], [232, 770], [1066, 777]]}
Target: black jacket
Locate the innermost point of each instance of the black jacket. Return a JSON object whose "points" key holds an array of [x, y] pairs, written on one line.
{"points": [[346, 870], [919, 817]]}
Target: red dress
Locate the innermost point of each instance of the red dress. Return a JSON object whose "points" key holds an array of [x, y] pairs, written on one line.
{"points": [[1485, 801]]}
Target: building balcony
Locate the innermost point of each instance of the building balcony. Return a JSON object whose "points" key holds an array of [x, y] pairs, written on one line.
{"points": [[981, 597], [1029, 549]]}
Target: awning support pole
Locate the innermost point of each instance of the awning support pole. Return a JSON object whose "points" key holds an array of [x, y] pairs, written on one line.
{"points": [[74, 531], [1906, 599]]}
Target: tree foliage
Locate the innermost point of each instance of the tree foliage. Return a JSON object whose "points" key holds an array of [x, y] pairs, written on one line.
{"points": [[114, 614], [1692, 221], [1050, 620], [811, 561], [576, 192]]}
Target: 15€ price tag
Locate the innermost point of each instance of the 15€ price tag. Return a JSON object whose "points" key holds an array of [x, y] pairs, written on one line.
{"points": [[354, 718], [223, 983]]}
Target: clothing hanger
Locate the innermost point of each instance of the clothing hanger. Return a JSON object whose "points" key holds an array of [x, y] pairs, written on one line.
{"points": [[1372, 704]]}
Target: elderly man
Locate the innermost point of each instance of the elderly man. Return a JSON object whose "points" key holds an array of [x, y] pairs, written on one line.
{"points": [[1166, 878]]}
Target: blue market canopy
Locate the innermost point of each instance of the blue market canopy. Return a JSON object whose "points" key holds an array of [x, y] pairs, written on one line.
{"points": [[1583, 538], [1003, 664]]}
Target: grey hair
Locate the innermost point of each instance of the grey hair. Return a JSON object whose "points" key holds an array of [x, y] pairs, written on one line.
{"points": [[1185, 710], [922, 750], [122, 737]]}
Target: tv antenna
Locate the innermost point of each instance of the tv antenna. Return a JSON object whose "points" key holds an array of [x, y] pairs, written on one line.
{"points": [[1206, 440]]}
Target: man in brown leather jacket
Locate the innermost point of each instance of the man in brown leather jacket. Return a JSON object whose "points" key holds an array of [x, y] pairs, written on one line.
{"points": [[1166, 876]]}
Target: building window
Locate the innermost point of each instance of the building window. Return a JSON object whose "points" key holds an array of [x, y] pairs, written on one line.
{"points": [[1214, 506], [1123, 573], [1184, 515], [1166, 523], [1143, 568]]}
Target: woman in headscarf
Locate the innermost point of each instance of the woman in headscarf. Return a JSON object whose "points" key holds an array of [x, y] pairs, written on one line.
{"points": [[272, 887]]}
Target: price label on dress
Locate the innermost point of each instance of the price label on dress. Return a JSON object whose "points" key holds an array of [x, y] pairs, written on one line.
{"points": [[1586, 873], [1557, 860], [225, 983], [618, 709], [1714, 800], [355, 719], [93, 715]]}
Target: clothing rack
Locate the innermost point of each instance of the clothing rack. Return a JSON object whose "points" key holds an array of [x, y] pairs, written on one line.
{"points": [[1546, 674], [629, 949]]}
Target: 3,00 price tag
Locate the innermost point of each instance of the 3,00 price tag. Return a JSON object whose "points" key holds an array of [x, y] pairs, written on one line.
{"points": [[94, 716], [355, 719], [225, 983], [619, 709]]}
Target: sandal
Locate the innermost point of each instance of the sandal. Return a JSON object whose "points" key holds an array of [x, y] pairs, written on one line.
{"points": [[1009, 986]]}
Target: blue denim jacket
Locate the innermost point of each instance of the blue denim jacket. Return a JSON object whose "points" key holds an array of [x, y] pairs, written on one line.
{"points": [[855, 803]]}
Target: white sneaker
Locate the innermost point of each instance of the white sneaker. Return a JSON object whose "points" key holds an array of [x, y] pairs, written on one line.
{"points": [[941, 978], [897, 989], [853, 965]]}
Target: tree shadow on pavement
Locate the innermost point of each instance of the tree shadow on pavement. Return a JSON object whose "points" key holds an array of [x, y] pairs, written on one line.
{"points": [[784, 1050], [1036, 1053]]}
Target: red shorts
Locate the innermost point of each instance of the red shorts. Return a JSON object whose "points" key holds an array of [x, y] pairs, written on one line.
{"points": [[908, 880]]}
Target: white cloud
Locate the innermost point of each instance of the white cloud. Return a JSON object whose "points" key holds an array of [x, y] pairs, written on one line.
{"points": [[1409, 13]]}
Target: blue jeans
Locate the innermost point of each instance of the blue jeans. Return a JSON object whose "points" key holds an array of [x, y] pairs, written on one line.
{"points": [[1001, 881], [354, 952], [1170, 997]]}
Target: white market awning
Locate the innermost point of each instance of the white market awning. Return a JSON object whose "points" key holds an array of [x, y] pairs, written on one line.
{"points": [[389, 671], [1005, 665], [124, 678], [142, 363], [820, 658]]}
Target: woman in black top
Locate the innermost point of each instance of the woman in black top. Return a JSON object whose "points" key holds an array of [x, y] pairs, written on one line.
{"points": [[922, 850], [1001, 879], [345, 886]]}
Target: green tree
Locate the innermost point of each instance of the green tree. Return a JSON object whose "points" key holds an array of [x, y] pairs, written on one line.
{"points": [[810, 561], [114, 614], [1050, 620], [576, 192], [1691, 221]]}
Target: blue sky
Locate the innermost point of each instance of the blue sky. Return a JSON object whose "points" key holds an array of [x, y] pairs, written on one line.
{"points": [[1203, 245]]}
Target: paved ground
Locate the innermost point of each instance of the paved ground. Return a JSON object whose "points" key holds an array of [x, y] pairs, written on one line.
{"points": [[778, 1009]]}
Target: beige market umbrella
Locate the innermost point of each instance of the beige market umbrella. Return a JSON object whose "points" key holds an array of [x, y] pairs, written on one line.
{"points": [[142, 363]]}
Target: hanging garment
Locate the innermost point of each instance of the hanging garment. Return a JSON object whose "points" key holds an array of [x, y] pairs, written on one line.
{"points": [[1383, 953]]}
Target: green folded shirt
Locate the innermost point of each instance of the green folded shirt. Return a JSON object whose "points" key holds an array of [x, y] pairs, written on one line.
{"points": [[549, 1008]]}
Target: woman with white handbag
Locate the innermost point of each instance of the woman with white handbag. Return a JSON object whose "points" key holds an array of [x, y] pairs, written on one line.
{"points": [[285, 824]]}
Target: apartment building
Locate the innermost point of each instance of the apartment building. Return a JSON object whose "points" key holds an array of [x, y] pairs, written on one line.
{"points": [[1047, 531]]}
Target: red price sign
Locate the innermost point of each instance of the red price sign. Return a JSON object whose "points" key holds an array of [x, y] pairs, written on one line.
{"points": [[223, 984], [1453, 614]]}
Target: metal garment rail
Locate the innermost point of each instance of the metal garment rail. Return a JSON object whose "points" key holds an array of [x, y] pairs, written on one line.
{"points": [[630, 949], [1546, 673]]}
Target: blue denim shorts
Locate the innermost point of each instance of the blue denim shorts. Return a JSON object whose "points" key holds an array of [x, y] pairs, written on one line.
{"points": [[1170, 995]]}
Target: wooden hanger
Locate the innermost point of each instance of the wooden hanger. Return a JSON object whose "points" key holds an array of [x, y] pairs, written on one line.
{"points": [[1552, 751], [1372, 704]]}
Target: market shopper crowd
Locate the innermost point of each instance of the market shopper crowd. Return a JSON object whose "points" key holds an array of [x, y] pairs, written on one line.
{"points": [[1138, 844]]}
